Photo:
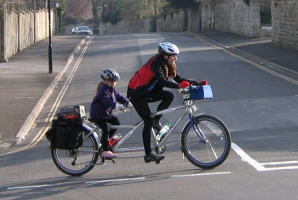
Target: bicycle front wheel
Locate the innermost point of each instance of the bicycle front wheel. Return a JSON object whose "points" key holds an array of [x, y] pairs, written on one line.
{"points": [[212, 148], [76, 162]]}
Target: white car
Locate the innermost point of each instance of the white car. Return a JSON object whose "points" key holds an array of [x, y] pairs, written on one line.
{"points": [[82, 30]]}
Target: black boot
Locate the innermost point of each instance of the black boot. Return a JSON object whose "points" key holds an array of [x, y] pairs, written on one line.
{"points": [[153, 157]]}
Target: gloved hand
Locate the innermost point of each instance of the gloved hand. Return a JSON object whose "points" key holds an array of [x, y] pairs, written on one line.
{"points": [[203, 82], [120, 107], [184, 84]]}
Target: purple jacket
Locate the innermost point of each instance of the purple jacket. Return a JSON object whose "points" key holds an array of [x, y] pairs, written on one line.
{"points": [[105, 101]]}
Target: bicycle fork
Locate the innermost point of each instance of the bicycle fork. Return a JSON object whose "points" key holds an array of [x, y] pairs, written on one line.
{"points": [[197, 129]]}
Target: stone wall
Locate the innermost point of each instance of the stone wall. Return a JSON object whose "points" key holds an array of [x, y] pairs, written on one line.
{"points": [[26, 33], [124, 27], [265, 4], [194, 20], [238, 17], [225, 15], [285, 23], [12, 34], [22, 29], [173, 22]]}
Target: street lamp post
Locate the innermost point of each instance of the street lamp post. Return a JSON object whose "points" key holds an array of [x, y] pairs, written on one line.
{"points": [[155, 16], [50, 51]]}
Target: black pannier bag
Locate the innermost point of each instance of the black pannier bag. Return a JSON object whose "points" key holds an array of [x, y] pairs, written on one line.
{"points": [[66, 131]]}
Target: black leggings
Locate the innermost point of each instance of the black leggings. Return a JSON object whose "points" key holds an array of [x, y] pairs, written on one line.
{"points": [[141, 106], [106, 133]]}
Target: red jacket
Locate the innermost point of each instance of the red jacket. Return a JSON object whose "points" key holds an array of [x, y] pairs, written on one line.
{"points": [[151, 78]]}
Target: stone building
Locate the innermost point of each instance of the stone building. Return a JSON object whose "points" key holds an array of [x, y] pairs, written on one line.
{"points": [[285, 23]]}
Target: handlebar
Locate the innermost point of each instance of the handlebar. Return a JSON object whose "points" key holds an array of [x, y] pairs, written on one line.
{"points": [[184, 90], [122, 108], [196, 92], [187, 89]]}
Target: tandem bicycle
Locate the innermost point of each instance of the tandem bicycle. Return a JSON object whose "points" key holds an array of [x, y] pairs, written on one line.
{"points": [[205, 139]]}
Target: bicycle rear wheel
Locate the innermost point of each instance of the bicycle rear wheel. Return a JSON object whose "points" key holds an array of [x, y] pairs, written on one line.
{"points": [[215, 150], [77, 162]]}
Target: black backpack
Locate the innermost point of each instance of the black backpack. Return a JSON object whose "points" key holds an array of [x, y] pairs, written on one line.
{"points": [[66, 130]]}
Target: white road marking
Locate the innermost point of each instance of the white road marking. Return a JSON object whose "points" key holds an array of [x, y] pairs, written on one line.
{"points": [[246, 158], [203, 174], [261, 166], [280, 168], [281, 163], [115, 180], [112, 181], [40, 186], [29, 187]]}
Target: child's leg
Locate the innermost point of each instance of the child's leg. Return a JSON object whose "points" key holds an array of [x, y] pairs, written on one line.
{"points": [[114, 121], [105, 132]]}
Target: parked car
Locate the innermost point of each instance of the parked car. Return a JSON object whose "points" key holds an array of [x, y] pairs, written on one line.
{"points": [[82, 30]]}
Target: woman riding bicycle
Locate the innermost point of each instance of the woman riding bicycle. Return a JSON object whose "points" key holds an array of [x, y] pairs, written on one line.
{"points": [[146, 86]]}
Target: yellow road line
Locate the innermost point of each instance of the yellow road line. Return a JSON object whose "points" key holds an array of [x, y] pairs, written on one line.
{"points": [[55, 106], [251, 62]]}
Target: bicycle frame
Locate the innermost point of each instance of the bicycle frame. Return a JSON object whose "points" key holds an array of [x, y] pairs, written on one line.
{"points": [[189, 107]]}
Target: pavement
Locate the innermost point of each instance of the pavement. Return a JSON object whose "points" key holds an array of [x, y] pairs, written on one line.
{"points": [[25, 82]]}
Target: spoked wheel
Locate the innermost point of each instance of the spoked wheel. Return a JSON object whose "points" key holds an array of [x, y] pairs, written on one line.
{"points": [[77, 162], [213, 149]]}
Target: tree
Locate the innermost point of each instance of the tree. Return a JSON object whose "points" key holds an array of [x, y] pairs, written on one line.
{"points": [[111, 11], [95, 4]]}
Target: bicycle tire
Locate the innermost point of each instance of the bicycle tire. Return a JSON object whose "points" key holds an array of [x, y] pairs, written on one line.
{"points": [[77, 162], [215, 150]]}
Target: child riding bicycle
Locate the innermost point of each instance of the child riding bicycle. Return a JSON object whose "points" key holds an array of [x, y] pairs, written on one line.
{"points": [[102, 106]]}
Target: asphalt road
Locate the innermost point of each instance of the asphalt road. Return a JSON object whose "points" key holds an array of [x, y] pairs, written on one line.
{"points": [[259, 108]]}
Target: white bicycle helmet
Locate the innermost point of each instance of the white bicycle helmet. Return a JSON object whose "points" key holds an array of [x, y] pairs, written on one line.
{"points": [[167, 48], [110, 75]]}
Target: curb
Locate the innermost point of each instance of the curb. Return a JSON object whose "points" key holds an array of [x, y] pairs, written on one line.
{"points": [[30, 120], [263, 64], [6, 145], [23, 132]]}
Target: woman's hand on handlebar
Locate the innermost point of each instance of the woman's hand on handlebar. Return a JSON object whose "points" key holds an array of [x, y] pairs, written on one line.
{"points": [[185, 89], [183, 84], [200, 83], [203, 82]]}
